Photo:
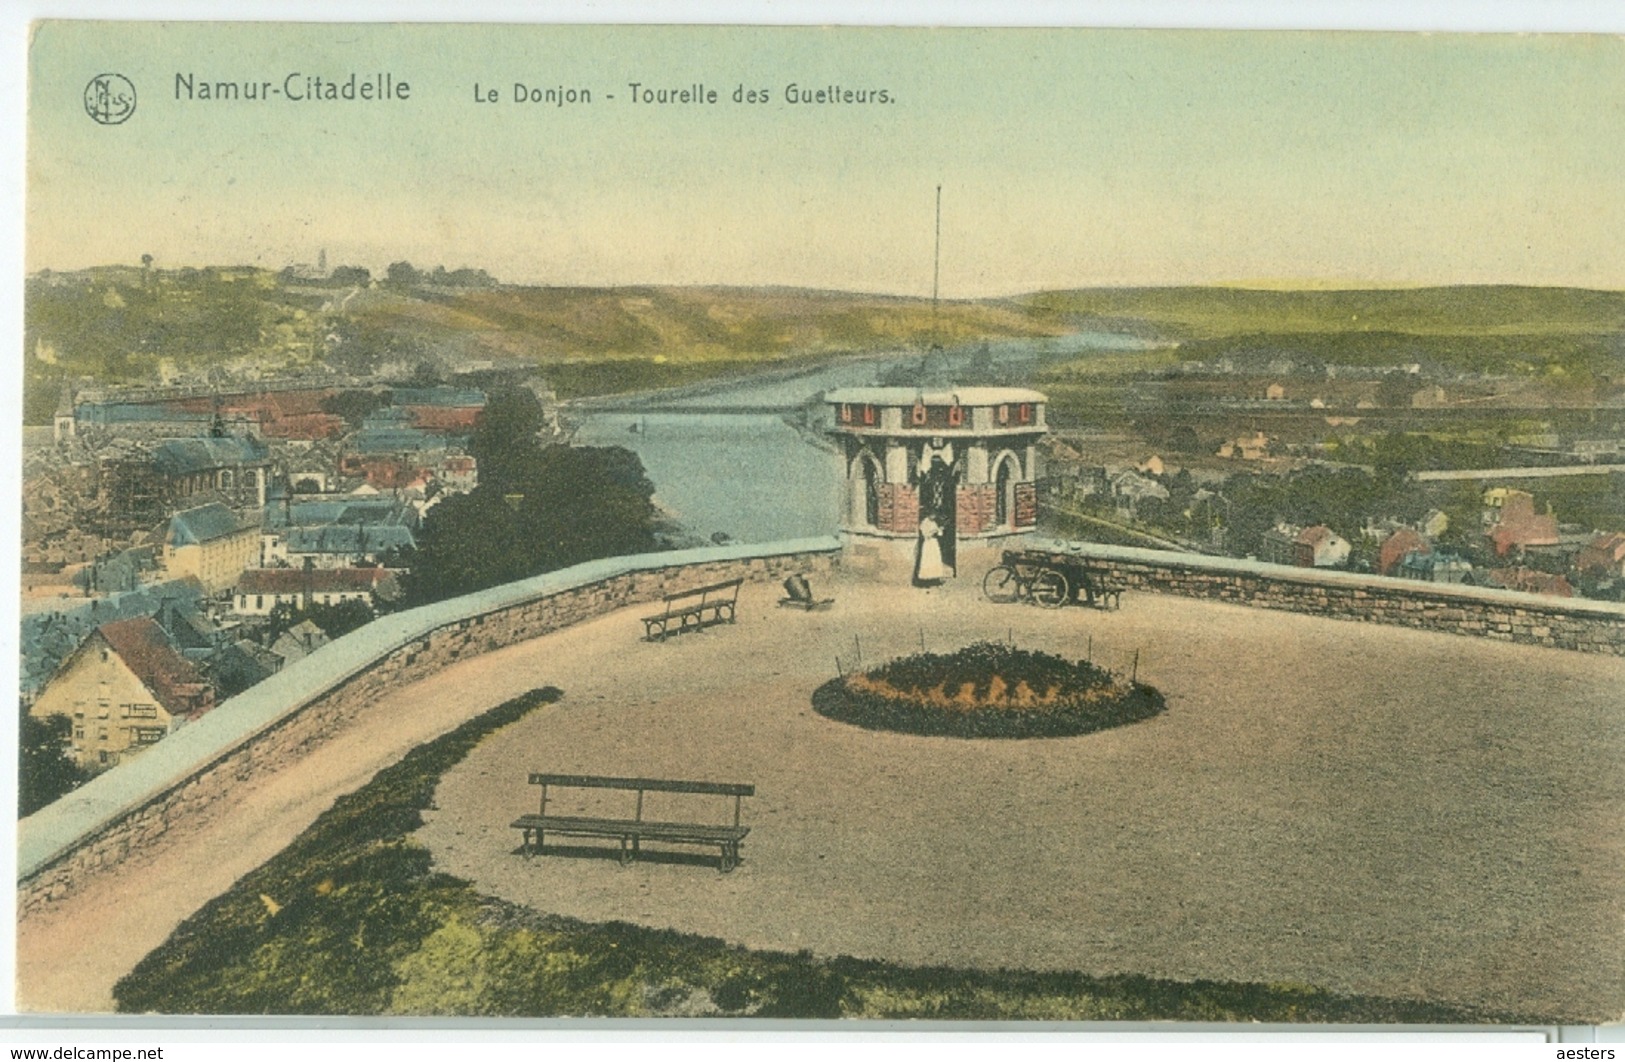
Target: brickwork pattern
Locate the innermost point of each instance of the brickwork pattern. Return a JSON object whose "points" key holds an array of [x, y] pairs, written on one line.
{"points": [[1026, 505], [978, 509], [899, 508]]}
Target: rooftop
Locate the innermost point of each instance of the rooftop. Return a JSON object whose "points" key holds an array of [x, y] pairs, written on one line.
{"points": [[178, 457], [349, 538], [146, 650], [909, 396], [204, 524], [315, 581]]}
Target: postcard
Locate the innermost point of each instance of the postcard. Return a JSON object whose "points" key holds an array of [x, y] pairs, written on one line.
{"points": [[822, 523]]}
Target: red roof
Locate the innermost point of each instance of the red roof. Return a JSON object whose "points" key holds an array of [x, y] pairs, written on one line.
{"points": [[1523, 530], [441, 418], [315, 581], [1314, 536], [304, 426], [1604, 552], [146, 650], [1397, 546], [1530, 581]]}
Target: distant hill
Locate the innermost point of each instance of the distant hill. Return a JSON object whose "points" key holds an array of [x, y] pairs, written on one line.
{"points": [[122, 324], [551, 324], [1211, 312]]}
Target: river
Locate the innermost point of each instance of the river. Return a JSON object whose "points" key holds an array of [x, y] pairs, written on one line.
{"points": [[759, 477]]}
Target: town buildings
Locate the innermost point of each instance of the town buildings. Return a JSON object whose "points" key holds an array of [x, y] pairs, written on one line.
{"points": [[124, 688], [211, 543], [260, 590]]}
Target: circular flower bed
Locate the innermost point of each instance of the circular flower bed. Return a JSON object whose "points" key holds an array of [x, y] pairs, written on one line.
{"points": [[987, 690]]}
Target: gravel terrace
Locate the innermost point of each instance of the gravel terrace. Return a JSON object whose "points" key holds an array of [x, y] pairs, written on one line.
{"points": [[1363, 808]]}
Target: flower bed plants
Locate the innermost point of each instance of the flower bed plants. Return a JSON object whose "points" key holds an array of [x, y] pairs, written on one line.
{"points": [[987, 690]]}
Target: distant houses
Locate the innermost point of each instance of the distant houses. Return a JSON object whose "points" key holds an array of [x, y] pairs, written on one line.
{"points": [[299, 641], [146, 482], [1517, 526], [1251, 447], [211, 544], [170, 530], [1132, 490], [1529, 581], [1319, 547], [346, 545], [1603, 557], [1398, 546], [125, 688], [1435, 566], [261, 590]]}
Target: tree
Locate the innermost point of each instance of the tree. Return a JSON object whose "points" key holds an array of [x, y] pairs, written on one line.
{"points": [[335, 620], [582, 503], [350, 277], [45, 771], [537, 508], [402, 275], [468, 542], [506, 437], [354, 405], [560, 506]]}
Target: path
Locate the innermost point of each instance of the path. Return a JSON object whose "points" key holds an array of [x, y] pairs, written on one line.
{"points": [[1364, 808]]}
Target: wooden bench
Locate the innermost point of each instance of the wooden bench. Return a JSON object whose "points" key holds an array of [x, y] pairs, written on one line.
{"points": [[1093, 590], [691, 610], [631, 832], [799, 595]]}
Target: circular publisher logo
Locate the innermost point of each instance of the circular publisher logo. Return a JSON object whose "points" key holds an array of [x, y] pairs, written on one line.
{"points": [[110, 98]]}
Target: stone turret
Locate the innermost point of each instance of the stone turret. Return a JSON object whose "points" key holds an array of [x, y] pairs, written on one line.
{"points": [[965, 457]]}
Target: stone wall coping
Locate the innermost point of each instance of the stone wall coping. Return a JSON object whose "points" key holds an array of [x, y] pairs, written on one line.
{"points": [[1332, 578], [62, 825]]}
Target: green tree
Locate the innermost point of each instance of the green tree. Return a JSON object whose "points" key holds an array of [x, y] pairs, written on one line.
{"points": [[45, 771], [557, 506], [354, 405], [335, 620], [468, 542], [350, 276], [505, 442], [402, 275], [582, 503]]}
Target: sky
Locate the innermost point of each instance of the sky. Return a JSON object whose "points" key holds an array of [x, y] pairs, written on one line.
{"points": [[1067, 158]]}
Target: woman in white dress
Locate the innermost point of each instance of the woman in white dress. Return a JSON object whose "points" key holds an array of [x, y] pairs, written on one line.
{"points": [[928, 567]]}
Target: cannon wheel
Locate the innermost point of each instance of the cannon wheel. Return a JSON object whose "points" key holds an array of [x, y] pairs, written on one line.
{"points": [[1050, 588], [1001, 584]]}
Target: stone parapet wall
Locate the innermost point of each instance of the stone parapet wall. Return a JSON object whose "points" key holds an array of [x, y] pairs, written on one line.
{"points": [[266, 729], [1529, 619]]}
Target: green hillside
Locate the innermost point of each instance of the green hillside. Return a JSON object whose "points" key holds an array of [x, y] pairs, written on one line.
{"points": [[1212, 312], [140, 325]]}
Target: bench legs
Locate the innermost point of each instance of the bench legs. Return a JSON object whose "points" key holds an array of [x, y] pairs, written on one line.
{"points": [[533, 842], [728, 857]]}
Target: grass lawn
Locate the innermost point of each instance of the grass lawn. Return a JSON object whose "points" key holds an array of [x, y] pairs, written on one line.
{"points": [[352, 919]]}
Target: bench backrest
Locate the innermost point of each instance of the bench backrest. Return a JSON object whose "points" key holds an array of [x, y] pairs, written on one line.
{"points": [[641, 786], [652, 785], [702, 591]]}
